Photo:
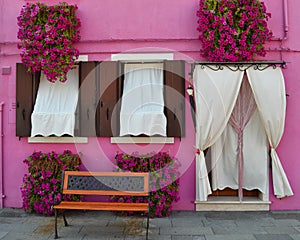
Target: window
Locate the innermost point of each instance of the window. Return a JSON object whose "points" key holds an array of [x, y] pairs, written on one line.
{"points": [[112, 83], [100, 91]]}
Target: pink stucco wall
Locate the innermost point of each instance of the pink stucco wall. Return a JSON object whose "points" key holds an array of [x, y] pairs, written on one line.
{"points": [[118, 26]]}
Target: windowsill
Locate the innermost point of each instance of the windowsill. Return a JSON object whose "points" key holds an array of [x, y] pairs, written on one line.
{"points": [[153, 140], [57, 140]]}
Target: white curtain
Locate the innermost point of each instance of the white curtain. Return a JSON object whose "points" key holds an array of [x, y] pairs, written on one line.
{"points": [[224, 157], [55, 106], [142, 106], [215, 95], [269, 93], [255, 155]]}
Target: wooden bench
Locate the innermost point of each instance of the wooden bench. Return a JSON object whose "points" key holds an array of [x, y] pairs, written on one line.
{"points": [[103, 184]]}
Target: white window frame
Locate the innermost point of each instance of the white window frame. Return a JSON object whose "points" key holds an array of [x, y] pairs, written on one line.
{"points": [[140, 57]]}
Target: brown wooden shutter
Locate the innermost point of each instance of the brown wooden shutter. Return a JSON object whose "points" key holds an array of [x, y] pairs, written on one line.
{"points": [[110, 93], [27, 87], [86, 118], [174, 93]]}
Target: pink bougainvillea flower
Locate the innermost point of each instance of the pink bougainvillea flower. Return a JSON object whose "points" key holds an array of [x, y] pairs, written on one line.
{"points": [[233, 30], [47, 35]]}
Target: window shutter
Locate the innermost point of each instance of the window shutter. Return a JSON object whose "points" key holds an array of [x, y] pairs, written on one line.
{"points": [[110, 93], [27, 86], [86, 118], [174, 90]]}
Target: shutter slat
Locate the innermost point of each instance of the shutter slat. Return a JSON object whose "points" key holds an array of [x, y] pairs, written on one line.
{"points": [[174, 93]]}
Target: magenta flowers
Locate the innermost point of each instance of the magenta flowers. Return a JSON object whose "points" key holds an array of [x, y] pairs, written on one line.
{"points": [[164, 180], [233, 30], [41, 187], [47, 35]]}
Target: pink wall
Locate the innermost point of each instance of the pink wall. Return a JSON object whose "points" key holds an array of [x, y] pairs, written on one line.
{"points": [[144, 26]]}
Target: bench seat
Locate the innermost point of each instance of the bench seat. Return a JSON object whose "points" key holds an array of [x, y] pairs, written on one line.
{"points": [[116, 206]]}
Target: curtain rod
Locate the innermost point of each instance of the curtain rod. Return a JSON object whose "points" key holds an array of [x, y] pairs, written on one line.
{"points": [[239, 66], [239, 63]]}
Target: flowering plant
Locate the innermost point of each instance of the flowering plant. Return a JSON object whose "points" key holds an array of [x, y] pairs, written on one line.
{"points": [[233, 30], [163, 180], [47, 34], [41, 187]]}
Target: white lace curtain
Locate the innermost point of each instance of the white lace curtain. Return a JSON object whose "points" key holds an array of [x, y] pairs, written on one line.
{"points": [[240, 116], [142, 106], [216, 93], [55, 106]]}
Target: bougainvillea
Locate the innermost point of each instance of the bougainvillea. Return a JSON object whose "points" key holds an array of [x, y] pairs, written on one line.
{"points": [[163, 181], [41, 187], [47, 35], [233, 30]]}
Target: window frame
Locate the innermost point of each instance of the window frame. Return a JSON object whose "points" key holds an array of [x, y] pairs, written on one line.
{"points": [[155, 58]]}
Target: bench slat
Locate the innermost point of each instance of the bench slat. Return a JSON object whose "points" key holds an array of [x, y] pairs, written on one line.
{"points": [[108, 206]]}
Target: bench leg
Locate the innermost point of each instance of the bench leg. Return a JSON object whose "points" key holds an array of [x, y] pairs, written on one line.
{"points": [[65, 220], [55, 224], [147, 226]]}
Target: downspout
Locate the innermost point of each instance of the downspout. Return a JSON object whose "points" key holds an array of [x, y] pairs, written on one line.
{"points": [[285, 26], [1, 156], [285, 19]]}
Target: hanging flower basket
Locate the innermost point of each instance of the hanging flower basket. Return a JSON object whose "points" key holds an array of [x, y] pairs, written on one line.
{"points": [[233, 30], [47, 35]]}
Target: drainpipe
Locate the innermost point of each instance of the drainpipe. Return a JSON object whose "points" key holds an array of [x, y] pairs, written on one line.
{"points": [[285, 19], [285, 27], [285, 13], [1, 155]]}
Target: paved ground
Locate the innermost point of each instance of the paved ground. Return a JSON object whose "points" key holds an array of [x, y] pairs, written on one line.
{"points": [[15, 224]]}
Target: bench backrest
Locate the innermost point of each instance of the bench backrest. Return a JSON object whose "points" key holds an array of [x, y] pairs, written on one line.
{"points": [[106, 183]]}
